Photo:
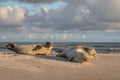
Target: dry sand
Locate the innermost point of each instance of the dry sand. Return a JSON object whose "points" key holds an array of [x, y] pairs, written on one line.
{"points": [[28, 67]]}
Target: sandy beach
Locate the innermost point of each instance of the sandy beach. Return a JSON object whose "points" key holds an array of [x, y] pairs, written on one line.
{"points": [[28, 67]]}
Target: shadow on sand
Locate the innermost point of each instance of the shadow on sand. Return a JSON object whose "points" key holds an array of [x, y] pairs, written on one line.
{"points": [[53, 57], [50, 56]]}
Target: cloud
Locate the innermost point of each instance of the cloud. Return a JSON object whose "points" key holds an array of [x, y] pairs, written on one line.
{"points": [[11, 15], [106, 10], [103, 15], [77, 15], [81, 15], [11, 18], [36, 1], [3, 37], [31, 36], [33, 1]]}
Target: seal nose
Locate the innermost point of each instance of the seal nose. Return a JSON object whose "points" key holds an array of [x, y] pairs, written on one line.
{"points": [[10, 45]]}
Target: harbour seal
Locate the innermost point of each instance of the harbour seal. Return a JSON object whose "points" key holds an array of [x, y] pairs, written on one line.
{"points": [[31, 49], [78, 54]]}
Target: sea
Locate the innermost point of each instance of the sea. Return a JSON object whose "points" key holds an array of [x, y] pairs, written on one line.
{"points": [[100, 47]]}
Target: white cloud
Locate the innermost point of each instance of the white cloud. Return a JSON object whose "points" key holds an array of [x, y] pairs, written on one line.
{"points": [[80, 15], [11, 15], [11, 19], [83, 36], [31, 36], [37, 1], [3, 37], [44, 10]]}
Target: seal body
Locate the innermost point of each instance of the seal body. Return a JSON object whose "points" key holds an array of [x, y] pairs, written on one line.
{"points": [[31, 49], [78, 54]]}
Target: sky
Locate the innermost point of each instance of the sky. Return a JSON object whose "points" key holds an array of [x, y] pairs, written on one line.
{"points": [[60, 20]]}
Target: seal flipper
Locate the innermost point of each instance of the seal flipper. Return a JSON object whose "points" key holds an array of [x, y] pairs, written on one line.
{"points": [[11, 46], [37, 47]]}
